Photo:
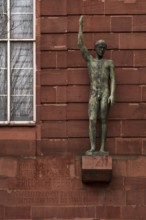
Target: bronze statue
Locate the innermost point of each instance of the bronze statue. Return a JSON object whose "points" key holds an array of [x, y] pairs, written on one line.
{"points": [[102, 89]]}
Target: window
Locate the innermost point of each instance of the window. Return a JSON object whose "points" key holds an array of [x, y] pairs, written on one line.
{"points": [[17, 62]]}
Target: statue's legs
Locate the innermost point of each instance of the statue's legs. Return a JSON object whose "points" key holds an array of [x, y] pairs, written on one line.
{"points": [[104, 108], [103, 133], [92, 111], [92, 134]]}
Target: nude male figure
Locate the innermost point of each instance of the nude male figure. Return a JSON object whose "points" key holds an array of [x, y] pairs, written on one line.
{"points": [[102, 89]]}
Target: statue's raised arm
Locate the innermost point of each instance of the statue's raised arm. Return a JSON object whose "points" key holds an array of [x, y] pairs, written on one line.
{"points": [[81, 44]]}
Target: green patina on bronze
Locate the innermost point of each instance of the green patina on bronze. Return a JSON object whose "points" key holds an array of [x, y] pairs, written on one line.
{"points": [[102, 89]]}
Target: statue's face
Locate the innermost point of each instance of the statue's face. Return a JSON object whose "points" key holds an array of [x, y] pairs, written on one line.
{"points": [[100, 50]]}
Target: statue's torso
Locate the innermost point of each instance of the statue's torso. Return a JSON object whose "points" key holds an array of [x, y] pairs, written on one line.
{"points": [[99, 73]]}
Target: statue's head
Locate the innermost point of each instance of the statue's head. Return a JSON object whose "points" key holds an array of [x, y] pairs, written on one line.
{"points": [[101, 42], [100, 47]]}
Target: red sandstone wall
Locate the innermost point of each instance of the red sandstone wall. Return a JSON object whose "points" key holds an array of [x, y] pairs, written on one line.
{"points": [[40, 166]]}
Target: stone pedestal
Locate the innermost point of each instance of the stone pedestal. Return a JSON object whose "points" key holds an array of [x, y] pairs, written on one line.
{"points": [[96, 168]]}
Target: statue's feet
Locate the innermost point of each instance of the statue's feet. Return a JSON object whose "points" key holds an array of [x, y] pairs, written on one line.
{"points": [[103, 153], [91, 152]]}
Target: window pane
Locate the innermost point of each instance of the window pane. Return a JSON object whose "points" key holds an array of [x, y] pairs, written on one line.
{"points": [[3, 81], [3, 55], [3, 26], [21, 55], [22, 82], [3, 70], [22, 26], [3, 6], [3, 108], [23, 6], [21, 108], [3, 19]]}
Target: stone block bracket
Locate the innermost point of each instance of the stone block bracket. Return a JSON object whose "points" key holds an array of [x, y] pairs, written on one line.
{"points": [[96, 168]]}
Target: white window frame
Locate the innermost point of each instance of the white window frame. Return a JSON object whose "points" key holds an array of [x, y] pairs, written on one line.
{"points": [[9, 40]]}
